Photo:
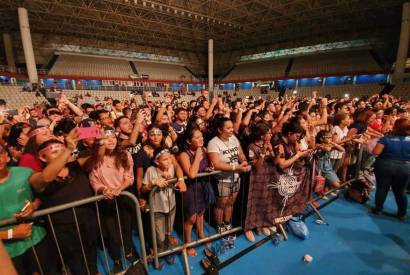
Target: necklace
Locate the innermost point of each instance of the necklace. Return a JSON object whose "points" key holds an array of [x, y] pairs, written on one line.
{"points": [[226, 143]]}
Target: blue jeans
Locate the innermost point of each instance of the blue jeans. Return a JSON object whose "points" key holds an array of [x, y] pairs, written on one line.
{"points": [[394, 174]]}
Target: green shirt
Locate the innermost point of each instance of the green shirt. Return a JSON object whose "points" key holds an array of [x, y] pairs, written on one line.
{"points": [[13, 194]]}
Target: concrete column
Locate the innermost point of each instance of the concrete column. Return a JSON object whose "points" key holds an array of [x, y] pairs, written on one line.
{"points": [[8, 47], [27, 45], [211, 65], [403, 44]]}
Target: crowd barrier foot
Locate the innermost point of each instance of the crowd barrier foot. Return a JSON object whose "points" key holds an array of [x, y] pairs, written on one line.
{"points": [[214, 265]]}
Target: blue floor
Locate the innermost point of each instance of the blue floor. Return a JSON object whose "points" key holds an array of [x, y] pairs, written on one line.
{"points": [[353, 242]]}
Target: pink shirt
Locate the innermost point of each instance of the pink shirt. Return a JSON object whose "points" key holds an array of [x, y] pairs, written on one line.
{"points": [[106, 174]]}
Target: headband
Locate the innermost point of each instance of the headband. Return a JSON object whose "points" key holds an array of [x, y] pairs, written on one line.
{"points": [[110, 133], [155, 131], [38, 131], [164, 151], [51, 147]]}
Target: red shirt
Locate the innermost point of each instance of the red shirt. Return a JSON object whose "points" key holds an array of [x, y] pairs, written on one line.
{"points": [[29, 161]]}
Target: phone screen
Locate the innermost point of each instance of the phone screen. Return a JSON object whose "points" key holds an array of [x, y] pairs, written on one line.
{"points": [[88, 132]]}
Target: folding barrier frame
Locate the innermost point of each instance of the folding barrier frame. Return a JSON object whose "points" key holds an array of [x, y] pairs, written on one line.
{"points": [[47, 212]]}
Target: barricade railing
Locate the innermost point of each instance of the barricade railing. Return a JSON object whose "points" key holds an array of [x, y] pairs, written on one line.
{"points": [[72, 205], [182, 248], [185, 245]]}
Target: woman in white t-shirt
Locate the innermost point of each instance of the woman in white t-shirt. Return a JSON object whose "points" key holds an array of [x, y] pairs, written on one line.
{"points": [[226, 154], [339, 136]]}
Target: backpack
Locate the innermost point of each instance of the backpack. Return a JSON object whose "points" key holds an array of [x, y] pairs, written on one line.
{"points": [[359, 191]]}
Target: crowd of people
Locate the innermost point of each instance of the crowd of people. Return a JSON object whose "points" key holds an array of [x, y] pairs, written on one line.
{"points": [[283, 148]]}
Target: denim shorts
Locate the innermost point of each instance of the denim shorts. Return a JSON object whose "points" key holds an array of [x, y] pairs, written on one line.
{"points": [[227, 188]]}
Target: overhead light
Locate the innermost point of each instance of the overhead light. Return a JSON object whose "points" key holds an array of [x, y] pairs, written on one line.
{"points": [[153, 6], [346, 95], [144, 3], [295, 92]]}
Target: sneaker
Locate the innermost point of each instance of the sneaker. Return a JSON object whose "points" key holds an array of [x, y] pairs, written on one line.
{"points": [[231, 241], [220, 229], [228, 226], [117, 267], [273, 229], [170, 259]]}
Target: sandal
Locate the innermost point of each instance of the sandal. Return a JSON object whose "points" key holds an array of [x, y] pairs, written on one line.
{"points": [[211, 256], [172, 240], [266, 231], [210, 269], [191, 252], [249, 236]]}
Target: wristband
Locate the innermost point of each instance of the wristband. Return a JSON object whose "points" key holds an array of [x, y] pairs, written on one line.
{"points": [[10, 234], [180, 179]]}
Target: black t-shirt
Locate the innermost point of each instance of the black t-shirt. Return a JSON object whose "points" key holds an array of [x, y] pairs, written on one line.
{"points": [[143, 160], [179, 128], [74, 187]]}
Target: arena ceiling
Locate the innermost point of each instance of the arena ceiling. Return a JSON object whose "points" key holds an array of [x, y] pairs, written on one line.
{"points": [[186, 25]]}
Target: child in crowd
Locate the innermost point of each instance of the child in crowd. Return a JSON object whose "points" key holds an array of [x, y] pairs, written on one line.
{"points": [[325, 145], [163, 200]]}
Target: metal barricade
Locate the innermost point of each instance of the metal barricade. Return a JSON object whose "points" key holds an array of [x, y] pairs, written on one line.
{"points": [[183, 248], [191, 244], [72, 205]]}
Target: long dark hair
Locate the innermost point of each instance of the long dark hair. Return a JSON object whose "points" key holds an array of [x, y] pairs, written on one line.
{"points": [[363, 117], [120, 154], [183, 139], [149, 128], [259, 130], [32, 146], [218, 124], [15, 132], [401, 127]]}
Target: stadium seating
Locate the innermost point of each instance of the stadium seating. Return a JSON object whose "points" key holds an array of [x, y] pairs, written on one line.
{"points": [[402, 91], [312, 65], [16, 98], [79, 65], [157, 71], [334, 63], [258, 70]]}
